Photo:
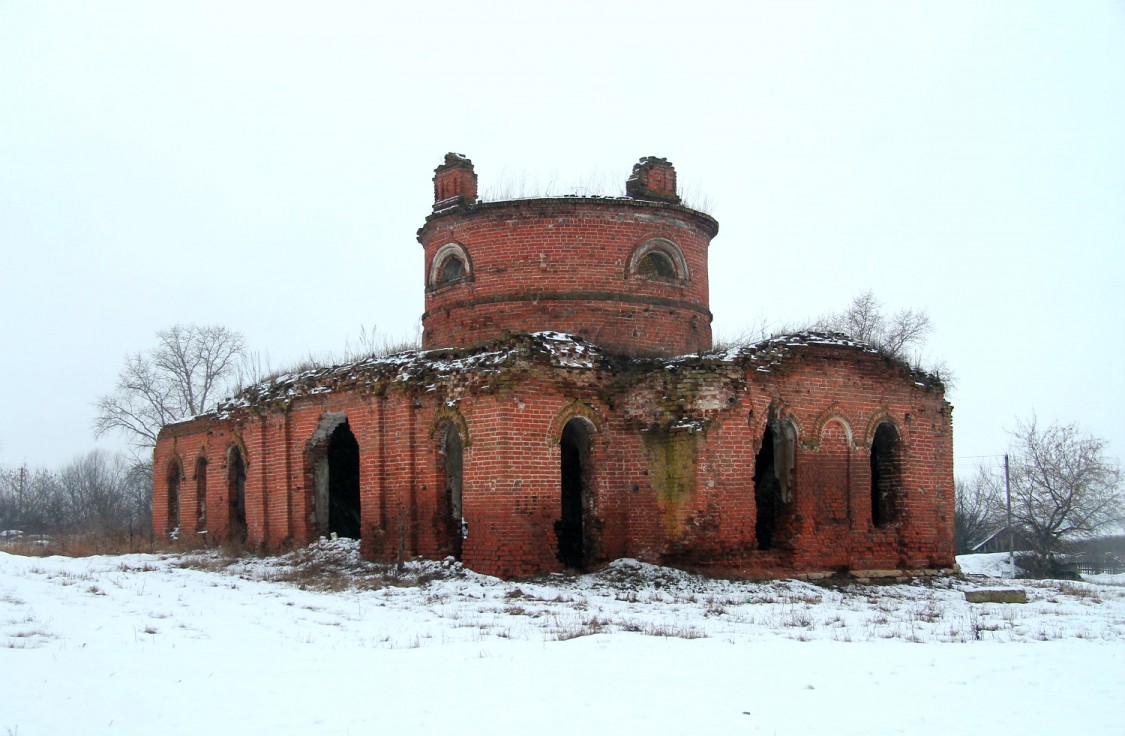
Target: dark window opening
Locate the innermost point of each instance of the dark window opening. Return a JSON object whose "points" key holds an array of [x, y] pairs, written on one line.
{"points": [[236, 495], [453, 269], [575, 469], [201, 495], [656, 263], [886, 475], [343, 483], [453, 457], [175, 475]]}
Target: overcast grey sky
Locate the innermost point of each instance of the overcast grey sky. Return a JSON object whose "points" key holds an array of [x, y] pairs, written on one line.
{"points": [[266, 166]]}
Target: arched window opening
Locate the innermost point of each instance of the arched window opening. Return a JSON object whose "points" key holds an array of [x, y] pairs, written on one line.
{"points": [[452, 270], [175, 477], [236, 495], [886, 475], [201, 495], [575, 479], [659, 259], [343, 483], [452, 452], [657, 264], [450, 265], [773, 472]]}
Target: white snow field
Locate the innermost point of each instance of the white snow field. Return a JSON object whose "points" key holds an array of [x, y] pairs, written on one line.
{"points": [[195, 644]]}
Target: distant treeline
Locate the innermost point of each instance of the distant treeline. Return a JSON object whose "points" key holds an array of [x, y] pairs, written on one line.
{"points": [[100, 492]]}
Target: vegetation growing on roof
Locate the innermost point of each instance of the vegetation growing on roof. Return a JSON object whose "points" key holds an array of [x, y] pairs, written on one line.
{"points": [[422, 369]]}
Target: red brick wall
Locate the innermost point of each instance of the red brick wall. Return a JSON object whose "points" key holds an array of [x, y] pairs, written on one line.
{"points": [[563, 264], [673, 455], [673, 445]]}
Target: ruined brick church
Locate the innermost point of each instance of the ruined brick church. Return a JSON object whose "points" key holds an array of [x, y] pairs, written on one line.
{"points": [[567, 409]]}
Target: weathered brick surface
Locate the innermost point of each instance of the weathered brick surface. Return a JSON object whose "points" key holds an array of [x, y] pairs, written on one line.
{"points": [[673, 443], [672, 461], [566, 264]]}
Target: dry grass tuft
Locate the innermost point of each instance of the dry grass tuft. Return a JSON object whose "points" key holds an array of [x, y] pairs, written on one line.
{"points": [[78, 545]]}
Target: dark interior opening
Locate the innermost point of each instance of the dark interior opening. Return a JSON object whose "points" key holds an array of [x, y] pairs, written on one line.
{"points": [[174, 476], [452, 453], [201, 494], [656, 263], [236, 493], [575, 454], [343, 483], [885, 475], [767, 491], [452, 270]]}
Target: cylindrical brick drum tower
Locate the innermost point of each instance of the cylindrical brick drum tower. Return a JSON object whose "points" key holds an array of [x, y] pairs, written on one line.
{"points": [[628, 274]]}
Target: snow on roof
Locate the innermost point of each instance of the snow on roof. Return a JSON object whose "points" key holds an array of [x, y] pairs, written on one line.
{"points": [[558, 349], [806, 337], [774, 350]]}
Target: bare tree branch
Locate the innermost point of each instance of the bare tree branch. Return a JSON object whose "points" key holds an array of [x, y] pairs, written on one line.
{"points": [[863, 319], [907, 329], [1063, 488], [177, 379], [978, 510]]}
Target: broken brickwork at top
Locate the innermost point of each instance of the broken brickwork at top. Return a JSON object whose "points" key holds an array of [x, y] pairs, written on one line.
{"points": [[628, 274]]}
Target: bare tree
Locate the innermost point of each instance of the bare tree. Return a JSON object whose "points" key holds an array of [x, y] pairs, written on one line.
{"points": [[97, 492], [897, 335], [93, 486], [137, 489], [1063, 486], [978, 510], [24, 498], [181, 377], [901, 336]]}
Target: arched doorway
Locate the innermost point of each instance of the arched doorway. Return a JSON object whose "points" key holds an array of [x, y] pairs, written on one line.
{"points": [[236, 495], [575, 472], [886, 474], [773, 477], [343, 483], [452, 451], [767, 492]]}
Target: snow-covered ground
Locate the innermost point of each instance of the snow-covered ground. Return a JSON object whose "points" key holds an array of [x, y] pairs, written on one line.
{"points": [[319, 642]]}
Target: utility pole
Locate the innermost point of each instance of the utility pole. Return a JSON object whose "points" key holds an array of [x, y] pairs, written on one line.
{"points": [[1011, 534]]}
